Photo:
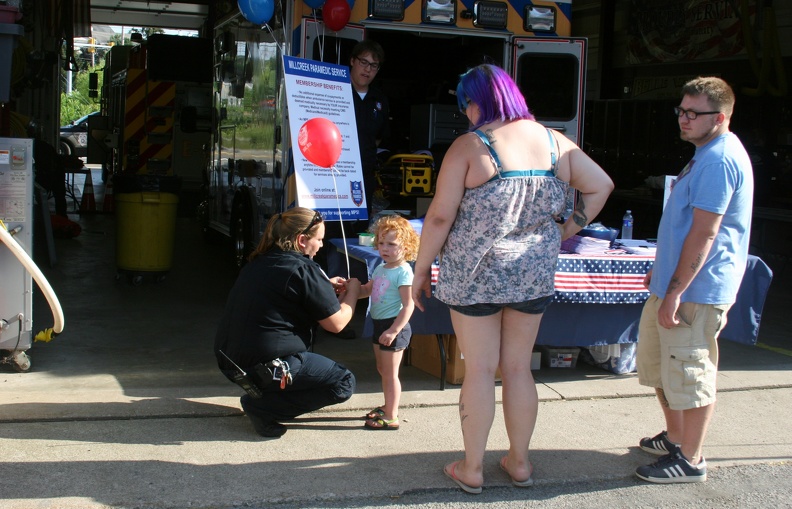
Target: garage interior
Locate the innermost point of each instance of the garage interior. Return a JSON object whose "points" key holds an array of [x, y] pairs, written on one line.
{"points": [[139, 339], [144, 351]]}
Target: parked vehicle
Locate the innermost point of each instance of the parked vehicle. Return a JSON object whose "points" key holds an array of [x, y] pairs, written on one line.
{"points": [[156, 110], [74, 137]]}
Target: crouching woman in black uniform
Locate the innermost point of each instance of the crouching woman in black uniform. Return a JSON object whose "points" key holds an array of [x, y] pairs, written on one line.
{"points": [[263, 338]]}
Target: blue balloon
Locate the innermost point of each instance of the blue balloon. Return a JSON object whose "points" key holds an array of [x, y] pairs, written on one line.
{"points": [[258, 12], [314, 4]]}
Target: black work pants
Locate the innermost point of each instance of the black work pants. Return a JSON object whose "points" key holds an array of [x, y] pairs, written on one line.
{"points": [[316, 383]]}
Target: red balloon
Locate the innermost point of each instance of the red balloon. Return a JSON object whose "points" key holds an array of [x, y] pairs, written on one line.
{"points": [[335, 14], [320, 141]]}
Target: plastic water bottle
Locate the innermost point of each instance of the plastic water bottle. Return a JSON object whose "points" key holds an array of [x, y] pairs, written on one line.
{"points": [[627, 225]]}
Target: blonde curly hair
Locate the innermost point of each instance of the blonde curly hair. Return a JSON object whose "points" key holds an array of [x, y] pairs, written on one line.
{"points": [[409, 238]]}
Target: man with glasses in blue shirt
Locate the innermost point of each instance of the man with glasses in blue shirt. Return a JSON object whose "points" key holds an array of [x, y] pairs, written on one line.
{"points": [[702, 251]]}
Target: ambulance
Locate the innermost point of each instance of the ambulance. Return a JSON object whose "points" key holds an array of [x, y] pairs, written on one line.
{"points": [[428, 44], [156, 114]]}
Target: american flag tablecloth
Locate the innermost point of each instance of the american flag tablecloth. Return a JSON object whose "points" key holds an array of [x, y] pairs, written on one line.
{"points": [[587, 279], [604, 279], [601, 279]]}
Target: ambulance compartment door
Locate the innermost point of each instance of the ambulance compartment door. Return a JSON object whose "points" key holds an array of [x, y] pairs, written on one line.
{"points": [[322, 44], [551, 73]]}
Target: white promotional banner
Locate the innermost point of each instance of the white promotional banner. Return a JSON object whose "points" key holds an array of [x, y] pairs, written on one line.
{"points": [[318, 89], [669, 183]]}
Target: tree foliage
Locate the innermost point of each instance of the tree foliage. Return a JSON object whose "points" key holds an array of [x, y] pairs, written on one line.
{"points": [[79, 103]]}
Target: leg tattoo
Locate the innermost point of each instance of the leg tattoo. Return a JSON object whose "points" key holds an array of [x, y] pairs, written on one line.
{"points": [[662, 398]]}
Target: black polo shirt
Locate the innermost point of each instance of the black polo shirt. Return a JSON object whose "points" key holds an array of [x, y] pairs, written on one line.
{"points": [[371, 116], [276, 301]]}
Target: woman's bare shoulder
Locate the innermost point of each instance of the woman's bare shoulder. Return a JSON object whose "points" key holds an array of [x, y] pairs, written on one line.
{"points": [[464, 145]]}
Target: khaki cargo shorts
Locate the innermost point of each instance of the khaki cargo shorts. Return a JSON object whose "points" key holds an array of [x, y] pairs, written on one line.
{"points": [[682, 361]]}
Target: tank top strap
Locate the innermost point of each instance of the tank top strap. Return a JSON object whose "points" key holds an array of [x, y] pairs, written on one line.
{"points": [[552, 172], [492, 153], [553, 155]]}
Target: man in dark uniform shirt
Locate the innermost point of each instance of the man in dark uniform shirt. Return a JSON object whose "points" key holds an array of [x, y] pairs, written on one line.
{"points": [[371, 116], [371, 110]]}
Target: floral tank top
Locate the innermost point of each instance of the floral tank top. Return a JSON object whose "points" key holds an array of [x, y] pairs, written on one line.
{"points": [[504, 243]]}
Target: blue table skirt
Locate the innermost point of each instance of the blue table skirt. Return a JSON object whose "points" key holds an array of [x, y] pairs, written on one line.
{"points": [[573, 324], [562, 324]]}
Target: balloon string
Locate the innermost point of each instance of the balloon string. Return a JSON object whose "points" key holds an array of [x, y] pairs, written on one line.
{"points": [[343, 234], [319, 36], [269, 29]]}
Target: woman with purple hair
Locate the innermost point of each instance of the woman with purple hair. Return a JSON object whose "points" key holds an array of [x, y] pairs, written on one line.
{"points": [[495, 222]]}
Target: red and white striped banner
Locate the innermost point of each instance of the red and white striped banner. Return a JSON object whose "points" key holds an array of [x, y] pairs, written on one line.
{"points": [[686, 30]]}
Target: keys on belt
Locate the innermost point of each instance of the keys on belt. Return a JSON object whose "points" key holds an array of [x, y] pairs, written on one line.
{"points": [[280, 372]]}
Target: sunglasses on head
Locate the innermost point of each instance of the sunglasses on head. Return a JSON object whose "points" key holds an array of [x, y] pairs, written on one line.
{"points": [[317, 218]]}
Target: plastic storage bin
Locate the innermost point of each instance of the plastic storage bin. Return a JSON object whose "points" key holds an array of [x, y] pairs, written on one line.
{"points": [[145, 225], [554, 357], [618, 358]]}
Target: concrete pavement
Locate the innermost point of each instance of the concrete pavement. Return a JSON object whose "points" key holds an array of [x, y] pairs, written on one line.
{"points": [[126, 407]]}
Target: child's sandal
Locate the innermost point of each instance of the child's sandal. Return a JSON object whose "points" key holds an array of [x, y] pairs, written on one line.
{"points": [[375, 414], [380, 423]]}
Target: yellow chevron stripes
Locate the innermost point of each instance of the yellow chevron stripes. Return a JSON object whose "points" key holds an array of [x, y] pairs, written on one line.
{"points": [[148, 125]]}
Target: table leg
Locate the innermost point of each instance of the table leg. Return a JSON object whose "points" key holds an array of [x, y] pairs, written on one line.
{"points": [[441, 346]]}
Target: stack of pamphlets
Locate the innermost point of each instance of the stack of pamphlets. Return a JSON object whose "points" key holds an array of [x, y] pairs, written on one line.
{"points": [[636, 246], [585, 245]]}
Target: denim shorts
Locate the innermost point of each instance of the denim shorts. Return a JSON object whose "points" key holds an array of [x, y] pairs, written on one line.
{"points": [[532, 307], [400, 342]]}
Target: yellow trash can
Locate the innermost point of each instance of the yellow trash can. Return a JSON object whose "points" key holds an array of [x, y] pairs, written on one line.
{"points": [[145, 226]]}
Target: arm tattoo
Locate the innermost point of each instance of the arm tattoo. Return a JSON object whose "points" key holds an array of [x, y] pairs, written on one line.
{"points": [[696, 263], [673, 284], [579, 216]]}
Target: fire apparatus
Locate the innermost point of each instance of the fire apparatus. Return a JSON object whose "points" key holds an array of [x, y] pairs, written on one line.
{"points": [[156, 110], [428, 44]]}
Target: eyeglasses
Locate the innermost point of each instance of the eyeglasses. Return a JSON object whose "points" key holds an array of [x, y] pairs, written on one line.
{"points": [[374, 66], [692, 115], [316, 220]]}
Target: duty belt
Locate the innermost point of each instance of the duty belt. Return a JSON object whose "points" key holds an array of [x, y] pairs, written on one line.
{"points": [[277, 370]]}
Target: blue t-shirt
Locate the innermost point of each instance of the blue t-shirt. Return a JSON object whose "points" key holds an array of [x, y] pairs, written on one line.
{"points": [[719, 179], [385, 298]]}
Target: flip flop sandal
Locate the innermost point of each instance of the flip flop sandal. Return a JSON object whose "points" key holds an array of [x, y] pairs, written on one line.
{"points": [[375, 414], [517, 484], [451, 474], [382, 424]]}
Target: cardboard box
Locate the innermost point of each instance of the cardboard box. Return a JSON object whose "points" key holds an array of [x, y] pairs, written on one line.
{"points": [[425, 355]]}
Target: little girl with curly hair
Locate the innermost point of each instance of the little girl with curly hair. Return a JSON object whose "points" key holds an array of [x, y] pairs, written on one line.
{"points": [[390, 289]]}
